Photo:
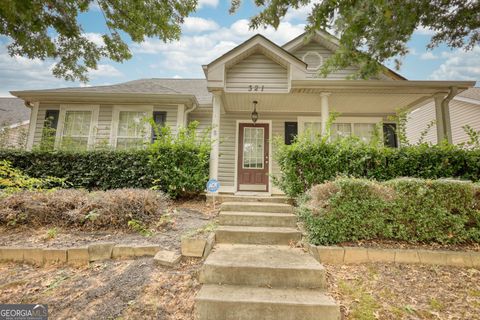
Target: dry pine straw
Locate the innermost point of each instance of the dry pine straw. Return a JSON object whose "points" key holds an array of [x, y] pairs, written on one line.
{"points": [[390, 291]]}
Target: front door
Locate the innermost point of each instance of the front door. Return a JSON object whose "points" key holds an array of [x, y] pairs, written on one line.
{"points": [[253, 156]]}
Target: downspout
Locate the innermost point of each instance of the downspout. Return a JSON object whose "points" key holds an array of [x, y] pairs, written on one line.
{"points": [[446, 113], [187, 112]]}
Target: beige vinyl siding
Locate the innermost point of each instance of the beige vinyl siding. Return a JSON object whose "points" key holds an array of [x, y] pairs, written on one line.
{"points": [[104, 125], [204, 121], [461, 113], [257, 69], [325, 53]]}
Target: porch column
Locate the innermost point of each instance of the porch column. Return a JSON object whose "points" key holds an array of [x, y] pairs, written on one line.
{"points": [[442, 118], [325, 112], [180, 116], [214, 153], [32, 126]]}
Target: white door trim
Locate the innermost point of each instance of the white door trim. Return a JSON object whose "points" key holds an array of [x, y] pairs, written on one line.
{"points": [[270, 140]]}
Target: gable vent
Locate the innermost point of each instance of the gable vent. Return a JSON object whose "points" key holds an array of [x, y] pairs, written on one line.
{"points": [[313, 60]]}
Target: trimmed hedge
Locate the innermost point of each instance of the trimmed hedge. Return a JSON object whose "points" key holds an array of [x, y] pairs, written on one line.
{"points": [[413, 210], [177, 171], [306, 163]]}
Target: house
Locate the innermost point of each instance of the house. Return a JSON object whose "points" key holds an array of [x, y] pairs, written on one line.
{"points": [[464, 110], [258, 80], [14, 123]]}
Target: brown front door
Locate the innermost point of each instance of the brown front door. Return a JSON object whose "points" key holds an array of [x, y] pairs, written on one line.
{"points": [[253, 157]]}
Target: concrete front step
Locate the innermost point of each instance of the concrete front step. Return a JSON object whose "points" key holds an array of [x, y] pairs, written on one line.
{"points": [[220, 302], [259, 265], [257, 235], [257, 219], [256, 207], [245, 198]]}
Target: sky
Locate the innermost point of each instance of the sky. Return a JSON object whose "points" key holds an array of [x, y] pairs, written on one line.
{"points": [[207, 34]]}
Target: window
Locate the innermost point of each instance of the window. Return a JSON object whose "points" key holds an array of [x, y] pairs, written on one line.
{"points": [[75, 129], [49, 130], [390, 135], [291, 131], [131, 129], [253, 147], [360, 127], [159, 118], [130, 126]]}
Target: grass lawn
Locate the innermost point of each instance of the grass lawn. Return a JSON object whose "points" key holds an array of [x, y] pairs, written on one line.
{"points": [[390, 291]]}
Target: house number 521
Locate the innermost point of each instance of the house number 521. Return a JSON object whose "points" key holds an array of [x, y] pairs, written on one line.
{"points": [[255, 87]]}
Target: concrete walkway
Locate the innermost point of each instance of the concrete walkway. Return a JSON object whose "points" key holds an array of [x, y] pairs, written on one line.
{"points": [[254, 274]]}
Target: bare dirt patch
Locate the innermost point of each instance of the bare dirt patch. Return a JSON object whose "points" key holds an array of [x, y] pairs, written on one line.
{"points": [[114, 289], [390, 291], [182, 217]]}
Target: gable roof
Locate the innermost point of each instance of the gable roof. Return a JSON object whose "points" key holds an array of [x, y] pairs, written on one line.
{"points": [[13, 111], [260, 38], [194, 87], [332, 43]]}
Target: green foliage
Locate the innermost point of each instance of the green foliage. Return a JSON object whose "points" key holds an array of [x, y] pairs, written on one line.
{"points": [[52, 30], [414, 210], [473, 136], [371, 32], [13, 179], [306, 162], [52, 233], [176, 164], [138, 227]]}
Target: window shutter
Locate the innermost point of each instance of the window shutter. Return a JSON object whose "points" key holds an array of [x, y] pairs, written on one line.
{"points": [[291, 131], [49, 129], [51, 118], [390, 135], [159, 117]]}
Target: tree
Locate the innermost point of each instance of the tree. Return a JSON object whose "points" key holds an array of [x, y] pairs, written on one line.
{"points": [[372, 31], [50, 29]]}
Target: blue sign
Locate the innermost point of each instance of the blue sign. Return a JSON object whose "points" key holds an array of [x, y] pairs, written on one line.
{"points": [[213, 185]]}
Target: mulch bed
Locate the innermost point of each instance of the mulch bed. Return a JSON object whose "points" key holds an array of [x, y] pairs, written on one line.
{"points": [[184, 216], [399, 291]]}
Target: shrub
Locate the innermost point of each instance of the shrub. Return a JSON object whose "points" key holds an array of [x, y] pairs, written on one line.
{"points": [[306, 162], [414, 210], [81, 209], [12, 180], [176, 164]]}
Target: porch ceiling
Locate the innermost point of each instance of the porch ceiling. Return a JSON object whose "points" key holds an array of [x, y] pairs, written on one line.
{"points": [[343, 102], [347, 97]]}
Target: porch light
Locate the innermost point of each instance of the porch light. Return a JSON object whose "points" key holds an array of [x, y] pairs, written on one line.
{"points": [[254, 113]]}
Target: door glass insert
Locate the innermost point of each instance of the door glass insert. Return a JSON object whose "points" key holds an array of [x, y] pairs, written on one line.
{"points": [[253, 147]]}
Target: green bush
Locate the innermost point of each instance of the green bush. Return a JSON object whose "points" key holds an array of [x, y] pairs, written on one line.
{"points": [[306, 163], [176, 164], [414, 210]]}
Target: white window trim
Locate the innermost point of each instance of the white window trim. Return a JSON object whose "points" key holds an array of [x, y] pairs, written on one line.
{"points": [[78, 107], [351, 120], [116, 117]]}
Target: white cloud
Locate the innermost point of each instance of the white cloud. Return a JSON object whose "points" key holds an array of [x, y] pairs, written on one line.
{"points": [[428, 56], [186, 56], [459, 65], [207, 3], [421, 30], [95, 38], [196, 25], [104, 70]]}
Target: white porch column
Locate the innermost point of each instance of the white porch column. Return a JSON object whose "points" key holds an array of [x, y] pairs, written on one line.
{"points": [[325, 112], [180, 116], [32, 126], [214, 153]]}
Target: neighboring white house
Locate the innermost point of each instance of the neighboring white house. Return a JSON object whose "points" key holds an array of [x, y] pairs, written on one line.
{"points": [[464, 110], [14, 123], [279, 83]]}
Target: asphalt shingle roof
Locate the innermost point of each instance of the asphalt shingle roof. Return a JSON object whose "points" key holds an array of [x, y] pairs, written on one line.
{"points": [[13, 111], [196, 87]]}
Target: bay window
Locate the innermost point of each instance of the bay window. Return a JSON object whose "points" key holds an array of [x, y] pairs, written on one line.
{"points": [[131, 128]]}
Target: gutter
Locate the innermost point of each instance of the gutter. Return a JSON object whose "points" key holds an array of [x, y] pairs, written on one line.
{"points": [[187, 112]]}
